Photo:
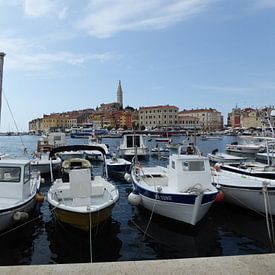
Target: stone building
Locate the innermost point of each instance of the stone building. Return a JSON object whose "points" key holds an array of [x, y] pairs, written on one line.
{"points": [[208, 119], [158, 116]]}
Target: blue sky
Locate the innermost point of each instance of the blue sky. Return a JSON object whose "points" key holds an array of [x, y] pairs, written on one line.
{"points": [[63, 55]]}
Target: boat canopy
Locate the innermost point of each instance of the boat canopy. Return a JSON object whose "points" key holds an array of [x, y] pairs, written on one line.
{"points": [[76, 148]]}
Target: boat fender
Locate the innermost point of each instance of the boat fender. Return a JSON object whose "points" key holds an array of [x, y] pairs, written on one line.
{"points": [[39, 197], [134, 199], [42, 181], [20, 216], [217, 167], [128, 177], [219, 197]]}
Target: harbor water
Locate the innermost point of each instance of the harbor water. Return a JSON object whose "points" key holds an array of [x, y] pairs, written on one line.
{"points": [[225, 230]]}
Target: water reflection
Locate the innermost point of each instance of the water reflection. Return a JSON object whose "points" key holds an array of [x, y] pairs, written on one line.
{"points": [[69, 245]]}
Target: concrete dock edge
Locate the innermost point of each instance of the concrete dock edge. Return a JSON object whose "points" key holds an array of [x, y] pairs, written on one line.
{"points": [[251, 264]]}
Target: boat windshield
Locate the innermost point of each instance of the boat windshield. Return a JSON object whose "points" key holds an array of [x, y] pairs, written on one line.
{"points": [[10, 174], [27, 173], [193, 166]]}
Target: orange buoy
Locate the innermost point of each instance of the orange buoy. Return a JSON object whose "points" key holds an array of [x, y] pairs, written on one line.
{"points": [[39, 197], [219, 196]]}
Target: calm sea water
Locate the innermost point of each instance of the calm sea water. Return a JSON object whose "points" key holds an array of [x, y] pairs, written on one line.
{"points": [[225, 230]]}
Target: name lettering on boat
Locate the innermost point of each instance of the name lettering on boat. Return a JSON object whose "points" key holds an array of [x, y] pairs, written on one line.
{"points": [[163, 198]]}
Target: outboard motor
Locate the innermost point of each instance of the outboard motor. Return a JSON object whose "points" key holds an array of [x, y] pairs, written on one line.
{"points": [[215, 151]]}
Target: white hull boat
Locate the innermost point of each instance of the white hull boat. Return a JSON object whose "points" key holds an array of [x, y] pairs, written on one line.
{"points": [[96, 155], [254, 193], [84, 201], [244, 148], [44, 165], [117, 167], [18, 188], [133, 144], [183, 191], [225, 158]]}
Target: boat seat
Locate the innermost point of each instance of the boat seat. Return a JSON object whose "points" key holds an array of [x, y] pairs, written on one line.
{"points": [[80, 183], [98, 186]]}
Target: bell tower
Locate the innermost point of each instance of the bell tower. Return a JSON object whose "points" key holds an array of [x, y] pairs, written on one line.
{"points": [[120, 94]]}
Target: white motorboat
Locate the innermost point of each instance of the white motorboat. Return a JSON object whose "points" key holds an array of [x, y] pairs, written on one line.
{"points": [[41, 161], [96, 155], [252, 192], [183, 191], [133, 144], [18, 188], [117, 167], [157, 151], [44, 165], [255, 169], [210, 137], [216, 156], [85, 200], [248, 148]]}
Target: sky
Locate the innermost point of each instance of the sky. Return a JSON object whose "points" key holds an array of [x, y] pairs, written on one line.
{"points": [[64, 55]]}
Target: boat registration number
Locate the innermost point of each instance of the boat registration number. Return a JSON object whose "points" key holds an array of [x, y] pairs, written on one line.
{"points": [[163, 198]]}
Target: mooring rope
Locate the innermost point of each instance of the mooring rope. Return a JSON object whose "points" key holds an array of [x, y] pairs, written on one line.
{"points": [[25, 148], [90, 236]]}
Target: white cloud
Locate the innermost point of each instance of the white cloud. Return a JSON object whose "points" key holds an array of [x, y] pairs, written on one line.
{"points": [[41, 8], [106, 17], [24, 55]]}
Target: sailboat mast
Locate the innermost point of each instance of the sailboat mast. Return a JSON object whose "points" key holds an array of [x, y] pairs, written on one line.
{"points": [[1, 77]]}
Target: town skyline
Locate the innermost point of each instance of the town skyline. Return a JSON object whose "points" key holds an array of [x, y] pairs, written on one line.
{"points": [[62, 55]]}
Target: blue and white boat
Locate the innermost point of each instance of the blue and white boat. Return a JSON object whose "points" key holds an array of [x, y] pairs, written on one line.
{"points": [[183, 191], [117, 167]]}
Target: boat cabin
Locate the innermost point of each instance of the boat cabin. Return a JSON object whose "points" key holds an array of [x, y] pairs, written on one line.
{"points": [[47, 143], [132, 141], [187, 171], [15, 178]]}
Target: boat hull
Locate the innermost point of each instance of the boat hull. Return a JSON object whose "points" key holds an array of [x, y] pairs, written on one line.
{"points": [[246, 191], [252, 199], [82, 220], [6, 217], [188, 208], [45, 168]]}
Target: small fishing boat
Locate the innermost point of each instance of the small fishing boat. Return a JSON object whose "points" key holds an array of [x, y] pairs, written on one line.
{"points": [[117, 167], [18, 189], [245, 147], [182, 191], [96, 155], [216, 156], [83, 200], [246, 190], [41, 161], [133, 144]]}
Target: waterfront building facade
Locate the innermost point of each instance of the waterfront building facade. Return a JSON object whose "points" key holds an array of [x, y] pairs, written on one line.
{"points": [[187, 122], [250, 118], [161, 116], [208, 119]]}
